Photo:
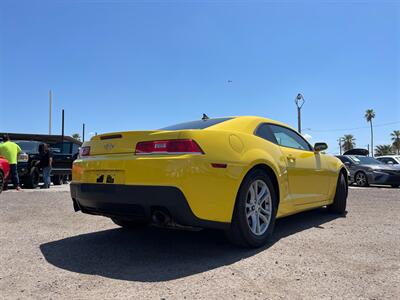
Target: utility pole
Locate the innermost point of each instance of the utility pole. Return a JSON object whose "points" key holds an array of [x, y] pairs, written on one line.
{"points": [[50, 110], [83, 132], [62, 129], [340, 145], [299, 103]]}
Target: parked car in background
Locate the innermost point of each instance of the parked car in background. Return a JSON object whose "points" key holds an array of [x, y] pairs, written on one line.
{"points": [[365, 170], [237, 174], [64, 148], [63, 156], [30, 174], [4, 172], [389, 159]]}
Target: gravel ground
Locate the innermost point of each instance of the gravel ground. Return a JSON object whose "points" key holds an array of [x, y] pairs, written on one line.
{"points": [[50, 252]]}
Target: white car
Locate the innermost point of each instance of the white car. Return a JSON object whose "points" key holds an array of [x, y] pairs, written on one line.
{"points": [[389, 159]]}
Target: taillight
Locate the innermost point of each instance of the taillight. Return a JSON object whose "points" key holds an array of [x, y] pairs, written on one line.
{"points": [[168, 147], [84, 151]]}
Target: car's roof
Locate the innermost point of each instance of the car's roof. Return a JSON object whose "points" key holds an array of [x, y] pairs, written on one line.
{"points": [[245, 123], [24, 141]]}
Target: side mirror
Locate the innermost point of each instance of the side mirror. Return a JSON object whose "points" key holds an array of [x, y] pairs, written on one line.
{"points": [[347, 164], [320, 147], [389, 162]]}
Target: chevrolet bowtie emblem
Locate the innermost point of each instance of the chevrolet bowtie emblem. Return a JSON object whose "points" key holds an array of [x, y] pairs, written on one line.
{"points": [[108, 147]]}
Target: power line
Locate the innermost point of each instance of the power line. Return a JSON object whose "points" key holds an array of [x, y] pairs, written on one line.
{"points": [[354, 128]]}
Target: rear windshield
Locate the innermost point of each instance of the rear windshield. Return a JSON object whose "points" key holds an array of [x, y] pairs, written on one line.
{"points": [[200, 124]]}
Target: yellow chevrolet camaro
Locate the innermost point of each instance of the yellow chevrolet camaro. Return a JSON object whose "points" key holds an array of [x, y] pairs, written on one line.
{"points": [[237, 174]]}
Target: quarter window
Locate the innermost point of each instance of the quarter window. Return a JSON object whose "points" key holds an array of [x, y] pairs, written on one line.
{"points": [[288, 138], [263, 131]]}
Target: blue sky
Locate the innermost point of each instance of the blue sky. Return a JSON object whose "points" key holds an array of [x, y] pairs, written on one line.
{"points": [[127, 65]]}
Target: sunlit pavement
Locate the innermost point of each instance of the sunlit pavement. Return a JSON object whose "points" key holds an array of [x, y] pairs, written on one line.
{"points": [[50, 252]]}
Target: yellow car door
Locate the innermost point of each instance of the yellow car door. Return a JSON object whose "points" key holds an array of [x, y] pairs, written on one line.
{"points": [[307, 177]]}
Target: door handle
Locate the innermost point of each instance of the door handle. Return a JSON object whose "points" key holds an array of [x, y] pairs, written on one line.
{"points": [[291, 158]]}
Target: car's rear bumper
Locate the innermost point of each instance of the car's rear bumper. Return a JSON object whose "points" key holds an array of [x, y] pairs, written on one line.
{"points": [[136, 202]]}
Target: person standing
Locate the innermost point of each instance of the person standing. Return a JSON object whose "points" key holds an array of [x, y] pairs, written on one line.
{"points": [[10, 151], [46, 161]]}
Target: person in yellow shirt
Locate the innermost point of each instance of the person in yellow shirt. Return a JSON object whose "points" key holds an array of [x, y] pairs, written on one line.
{"points": [[10, 151]]}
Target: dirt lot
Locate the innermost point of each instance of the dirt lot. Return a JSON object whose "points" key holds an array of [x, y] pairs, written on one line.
{"points": [[48, 251]]}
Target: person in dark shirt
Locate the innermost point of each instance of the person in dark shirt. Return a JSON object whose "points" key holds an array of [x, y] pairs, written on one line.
{"points": [[46, 161]]}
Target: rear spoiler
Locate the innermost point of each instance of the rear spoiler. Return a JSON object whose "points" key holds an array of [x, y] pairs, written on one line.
{"points": [[357, 151]]}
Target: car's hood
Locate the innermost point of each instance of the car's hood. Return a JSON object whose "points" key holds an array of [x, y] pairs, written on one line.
{"points": [[382, 167]]}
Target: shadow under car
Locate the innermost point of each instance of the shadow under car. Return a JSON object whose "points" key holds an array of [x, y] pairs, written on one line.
{"points": [[155, 254]]}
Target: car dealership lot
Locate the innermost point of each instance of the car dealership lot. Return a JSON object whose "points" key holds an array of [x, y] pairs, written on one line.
{"points": [[48, 251]]}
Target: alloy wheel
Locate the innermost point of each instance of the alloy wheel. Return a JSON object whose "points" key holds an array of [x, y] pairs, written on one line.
{"points": [[258, 207], [361, 179]]}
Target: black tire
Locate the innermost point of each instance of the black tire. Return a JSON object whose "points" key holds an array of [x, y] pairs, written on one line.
{"points": [[32, 180], [240, 233], [395, 185], [129, 224], [340, 201], [1, 181], [361, 179], [57, 180]]}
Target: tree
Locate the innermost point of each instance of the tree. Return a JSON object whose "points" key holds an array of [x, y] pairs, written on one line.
{"points": [[396, 140], [76, 136], [369, 115], [349, 142], [383, 150]]}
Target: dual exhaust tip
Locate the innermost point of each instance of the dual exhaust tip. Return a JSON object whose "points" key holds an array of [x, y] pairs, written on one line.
{"points": [[161, 218]]}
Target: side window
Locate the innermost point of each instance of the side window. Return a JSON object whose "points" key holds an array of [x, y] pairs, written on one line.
{"points": [[75, 148], [264, 132], [345, 159], [289, 138], [392, 160]]}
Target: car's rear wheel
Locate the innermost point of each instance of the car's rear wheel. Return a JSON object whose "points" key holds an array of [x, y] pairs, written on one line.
{"points": [[340, 201], [1, 181], [254, 215], [129, 224], [361, 179]]}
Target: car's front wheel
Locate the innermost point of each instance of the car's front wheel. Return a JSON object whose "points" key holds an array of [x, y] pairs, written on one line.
{"points": [[254, 215], [340, 201], [361, 179], [129, 224]]}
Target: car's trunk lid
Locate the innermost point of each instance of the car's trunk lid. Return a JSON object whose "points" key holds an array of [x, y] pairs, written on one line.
{"points": [[125, 142]]}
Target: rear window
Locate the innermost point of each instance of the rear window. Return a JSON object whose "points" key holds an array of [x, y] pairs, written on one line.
{"points": [[200, 124]]}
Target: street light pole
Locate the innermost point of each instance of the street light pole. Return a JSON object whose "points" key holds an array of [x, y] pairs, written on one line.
{"points": [[50, 110], [299, 103]]}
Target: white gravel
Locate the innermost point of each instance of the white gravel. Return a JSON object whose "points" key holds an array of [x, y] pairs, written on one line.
{"points": [[50, 252]]}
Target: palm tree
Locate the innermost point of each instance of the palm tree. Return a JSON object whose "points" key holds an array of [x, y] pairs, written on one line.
{"points": [[76, 136], [369, 115], [349, 142], [383, 150], [396, 140]]}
